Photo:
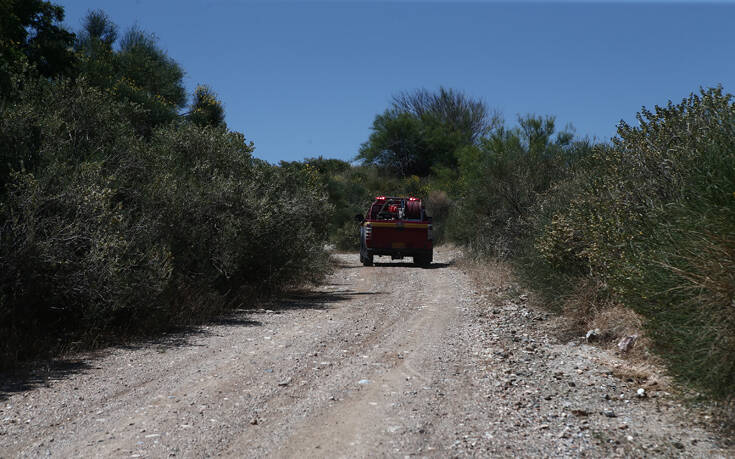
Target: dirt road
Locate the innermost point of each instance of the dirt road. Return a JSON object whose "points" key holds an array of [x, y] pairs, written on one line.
{"points": [[384, 361]]}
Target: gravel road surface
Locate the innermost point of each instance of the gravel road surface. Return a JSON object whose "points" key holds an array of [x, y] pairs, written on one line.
{"points": [[391, 360]]}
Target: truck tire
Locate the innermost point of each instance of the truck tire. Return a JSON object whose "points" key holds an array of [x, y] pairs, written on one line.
{"points": [[367, 260], [422, 260]]}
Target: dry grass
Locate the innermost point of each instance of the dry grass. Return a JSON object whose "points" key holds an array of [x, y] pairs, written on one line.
{"points": [[495, 276], [582, 305], [585, 310], [645, 374], [616, 322]]}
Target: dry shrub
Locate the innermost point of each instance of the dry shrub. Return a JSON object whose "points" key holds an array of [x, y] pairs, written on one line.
{"points": [[642, 373], [617, 322], [692, 315], [583, 304], [104, 232], [651, 218], [489, 274], [438, 205], [589, 309]]}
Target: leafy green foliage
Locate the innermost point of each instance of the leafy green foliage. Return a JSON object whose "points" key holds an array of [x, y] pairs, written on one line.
{"points": [[234, 221], [346, 192], [103, 230], [32, 39], [651, 217], [466, 116], [438, 206], [72, 254], [138, 72], [148, 67], [397, 144], [423, 130], [502, 180], [206, 109]]}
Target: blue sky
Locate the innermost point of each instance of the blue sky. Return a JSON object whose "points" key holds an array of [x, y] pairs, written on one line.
{"points": [[304, 79]]}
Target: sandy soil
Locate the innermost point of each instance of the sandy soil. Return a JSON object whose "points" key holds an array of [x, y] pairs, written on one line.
{"points": [[391, 360]]}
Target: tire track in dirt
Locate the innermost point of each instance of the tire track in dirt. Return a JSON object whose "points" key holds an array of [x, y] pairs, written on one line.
{"points": [[364, 417]]}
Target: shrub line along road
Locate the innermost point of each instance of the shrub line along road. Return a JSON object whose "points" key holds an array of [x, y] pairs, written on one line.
{"points": [[385, 361]]}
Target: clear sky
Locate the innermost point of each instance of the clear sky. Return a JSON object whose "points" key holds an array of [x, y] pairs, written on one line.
{"points": [[304, 79]]}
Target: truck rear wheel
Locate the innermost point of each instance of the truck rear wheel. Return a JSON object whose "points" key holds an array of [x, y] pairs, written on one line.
{"points": [[367, 260], [422, 260]]}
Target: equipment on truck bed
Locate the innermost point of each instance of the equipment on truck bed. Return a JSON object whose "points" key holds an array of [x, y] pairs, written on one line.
{"points": [[397, 227]]}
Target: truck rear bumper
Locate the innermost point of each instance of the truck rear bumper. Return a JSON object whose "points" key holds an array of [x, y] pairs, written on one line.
{"points": [[401, 253]]}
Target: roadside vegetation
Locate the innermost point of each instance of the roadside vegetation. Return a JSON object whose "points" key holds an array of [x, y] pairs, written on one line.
{"points": [[128, 205], [631, 236], [122, 209]]}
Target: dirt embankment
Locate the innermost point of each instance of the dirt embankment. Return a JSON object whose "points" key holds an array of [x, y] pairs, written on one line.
{"points": [[385, 361]]}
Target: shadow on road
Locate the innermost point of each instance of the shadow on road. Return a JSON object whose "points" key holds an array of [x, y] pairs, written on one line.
{"points": [[39, 374], [308, 299], [411, 265], [394, 264], [42, 373]]}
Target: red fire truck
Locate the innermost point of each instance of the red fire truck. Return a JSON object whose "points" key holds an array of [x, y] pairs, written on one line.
{"points": [[396, 227]]}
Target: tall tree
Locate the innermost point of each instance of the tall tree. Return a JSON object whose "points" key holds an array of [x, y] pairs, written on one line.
{"points": [[537, 132], [94, 44], [150, 78], [134, 68], [206, 109], [422, 131], [149, 67], [398, 143], [456, 111], [97, 27], [31, 35]]}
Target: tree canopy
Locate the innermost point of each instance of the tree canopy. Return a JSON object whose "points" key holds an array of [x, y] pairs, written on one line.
{"points": [[423, 130], [31, 37], [206, 109], [133, 67]]}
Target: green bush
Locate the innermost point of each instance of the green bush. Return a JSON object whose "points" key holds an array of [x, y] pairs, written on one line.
{"points": [[438, 205], [72, 254], [102, 231], [347, 237], [69, 247], [502, 180], [652, 219]]}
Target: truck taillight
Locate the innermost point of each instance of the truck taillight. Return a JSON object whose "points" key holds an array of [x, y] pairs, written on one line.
{"points": [[428, 233], [368, 231]]}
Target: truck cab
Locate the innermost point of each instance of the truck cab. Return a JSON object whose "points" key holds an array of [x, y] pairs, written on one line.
{"points": [[397, 227]]}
